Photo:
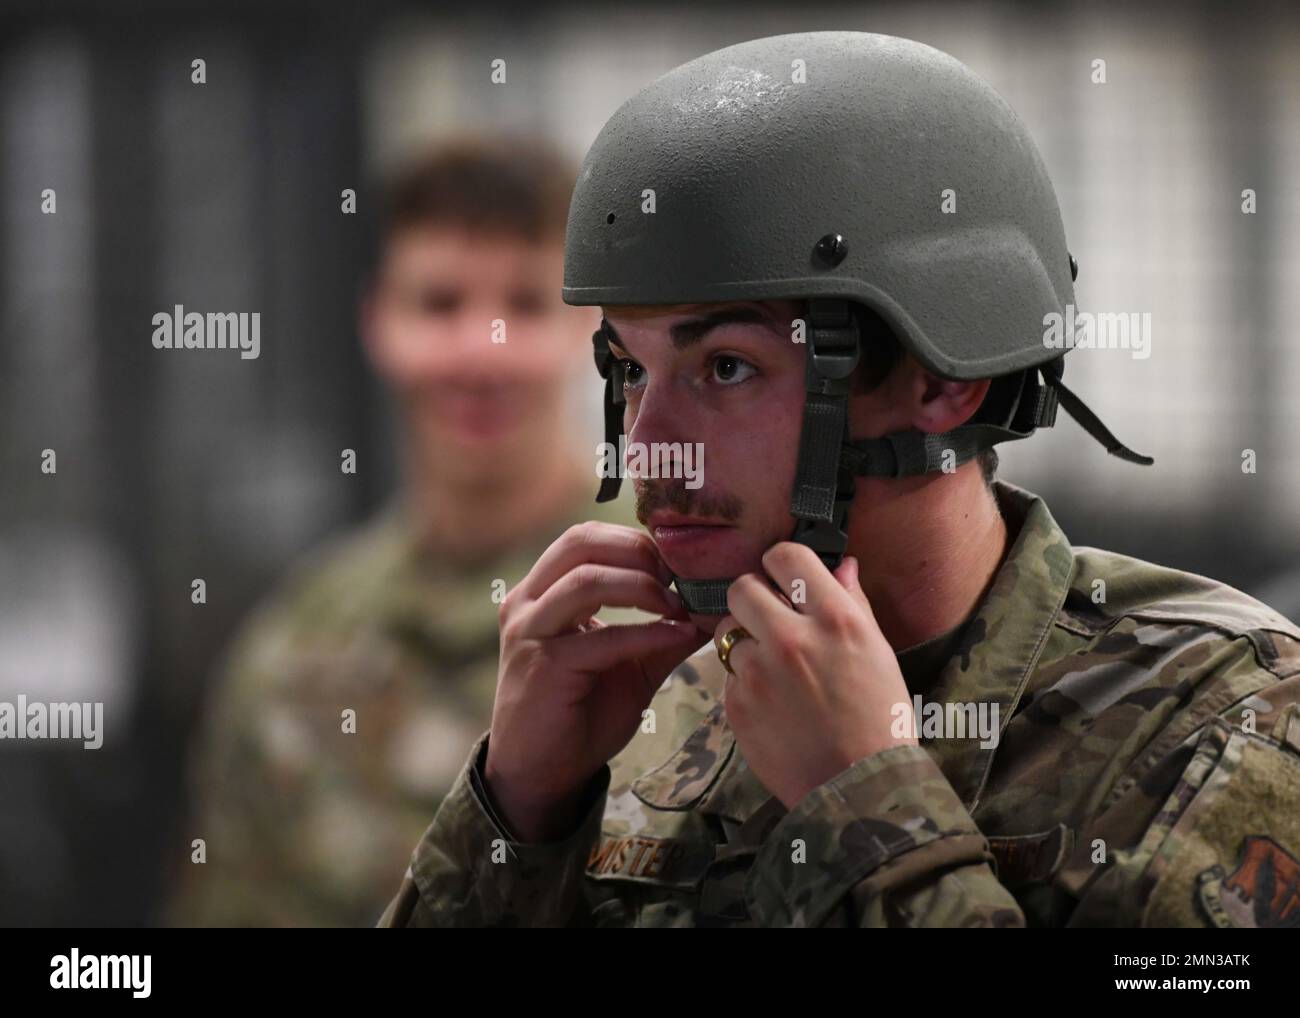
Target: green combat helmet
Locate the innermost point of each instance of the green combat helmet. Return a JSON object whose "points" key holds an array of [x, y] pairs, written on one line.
{"points": [[812, 167]]}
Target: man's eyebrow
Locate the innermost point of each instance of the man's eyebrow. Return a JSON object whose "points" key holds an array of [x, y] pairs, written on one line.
{"points": [[691, 331]]}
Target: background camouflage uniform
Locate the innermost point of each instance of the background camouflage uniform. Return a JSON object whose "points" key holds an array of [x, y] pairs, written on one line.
{"points": [[306, 824], [1148, 773]]}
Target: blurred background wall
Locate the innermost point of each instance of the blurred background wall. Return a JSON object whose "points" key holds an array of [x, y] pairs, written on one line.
{"points": [[227, 196]]}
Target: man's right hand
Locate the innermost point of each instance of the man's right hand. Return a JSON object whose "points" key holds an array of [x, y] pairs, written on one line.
{"points": [[571, 690]]}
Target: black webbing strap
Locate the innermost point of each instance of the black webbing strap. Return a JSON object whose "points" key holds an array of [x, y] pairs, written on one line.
{"points": [[703, 597], [908, 453], [1090, 423], [813, 497], [831, 359], [612, 372]]}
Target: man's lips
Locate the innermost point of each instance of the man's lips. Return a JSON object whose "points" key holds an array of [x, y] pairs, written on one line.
{"points": [[480, 417], [674, 533], [664, 518], [683, 539]]}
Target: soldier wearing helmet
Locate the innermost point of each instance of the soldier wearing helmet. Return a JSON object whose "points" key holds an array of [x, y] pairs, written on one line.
{"points": [[885, 691]]}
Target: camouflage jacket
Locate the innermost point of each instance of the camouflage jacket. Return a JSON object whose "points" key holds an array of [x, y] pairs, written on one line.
{"points": [[306, 812], [1146, 771]]}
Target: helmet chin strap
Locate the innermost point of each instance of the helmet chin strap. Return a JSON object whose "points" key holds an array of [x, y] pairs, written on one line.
{"points": [[828, 538], [703, 597], [829, 462]]}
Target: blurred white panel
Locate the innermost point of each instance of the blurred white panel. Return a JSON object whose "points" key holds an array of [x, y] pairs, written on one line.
{"points": [[1139, 215], [415, 80], [67, 632]]}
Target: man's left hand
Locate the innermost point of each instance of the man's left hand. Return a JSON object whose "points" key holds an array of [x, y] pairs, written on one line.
{"points": [[816, 686]]}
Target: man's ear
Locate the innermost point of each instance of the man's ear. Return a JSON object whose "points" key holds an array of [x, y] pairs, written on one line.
{"points": [[940, 404]]}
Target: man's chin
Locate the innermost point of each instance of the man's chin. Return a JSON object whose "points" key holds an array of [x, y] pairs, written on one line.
{"points": [[704, 552]]}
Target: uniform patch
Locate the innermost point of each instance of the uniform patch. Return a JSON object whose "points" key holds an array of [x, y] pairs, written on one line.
{"points": [[665, 861], [1031, 858], [1262, 892]]}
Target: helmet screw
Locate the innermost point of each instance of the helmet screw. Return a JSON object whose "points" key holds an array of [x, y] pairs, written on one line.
{"points": [[831, 249], [1074, 269]]}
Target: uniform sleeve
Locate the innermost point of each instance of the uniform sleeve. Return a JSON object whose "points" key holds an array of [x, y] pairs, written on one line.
{"points": [[887, 842], [242, 881], [468, 870], [1223, 848], [280, 804]]}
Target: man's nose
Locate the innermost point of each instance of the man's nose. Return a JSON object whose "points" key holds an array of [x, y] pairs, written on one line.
{"points": [[664, 413], [477, 338]]}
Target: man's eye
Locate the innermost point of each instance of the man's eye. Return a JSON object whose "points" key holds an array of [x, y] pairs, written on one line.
{"points": [[437, 302], [633, 373], [526, 303], [731, 370]]}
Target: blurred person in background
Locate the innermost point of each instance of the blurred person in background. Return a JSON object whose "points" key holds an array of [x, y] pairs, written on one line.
{"points": [[350, 698]]}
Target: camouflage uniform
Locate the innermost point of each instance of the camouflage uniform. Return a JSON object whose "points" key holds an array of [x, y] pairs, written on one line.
{"points": [[304, 823], [1147, 774]]}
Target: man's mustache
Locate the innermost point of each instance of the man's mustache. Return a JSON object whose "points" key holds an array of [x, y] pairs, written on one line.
{"points": [[720, 506]]}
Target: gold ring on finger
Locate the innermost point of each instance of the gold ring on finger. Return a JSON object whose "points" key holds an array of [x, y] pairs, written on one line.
{"points": [[729, 639]]}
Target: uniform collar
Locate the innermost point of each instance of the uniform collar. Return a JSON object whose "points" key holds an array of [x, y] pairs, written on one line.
{"points": [[987, 659]]}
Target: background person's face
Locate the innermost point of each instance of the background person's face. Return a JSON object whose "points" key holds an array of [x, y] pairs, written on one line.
{"points": [[737, 388], [476, 406]]}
